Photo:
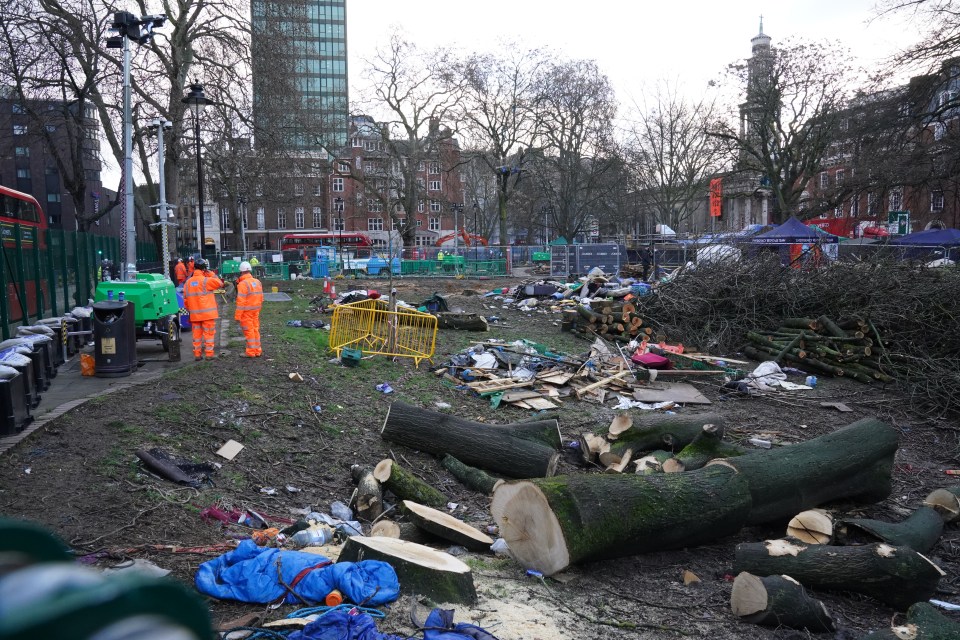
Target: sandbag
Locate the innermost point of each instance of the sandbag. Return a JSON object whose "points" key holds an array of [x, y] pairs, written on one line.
{"points": [[12, 358], [7, 373], [35, 329]]}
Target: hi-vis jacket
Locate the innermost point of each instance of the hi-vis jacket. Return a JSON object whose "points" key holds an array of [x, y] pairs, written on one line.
{"points": [[198, 296], [249, 294]]}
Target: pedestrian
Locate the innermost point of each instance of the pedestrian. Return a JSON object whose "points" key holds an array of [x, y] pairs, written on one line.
{"points": [[180, 272], [249, 302], [646, 260], [201, 304]]}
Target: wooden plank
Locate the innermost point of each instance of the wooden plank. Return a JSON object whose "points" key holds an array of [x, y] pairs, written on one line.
{"points": [[540, 404], [515, 396], [501, 384], [678, 392], [602, 383]]}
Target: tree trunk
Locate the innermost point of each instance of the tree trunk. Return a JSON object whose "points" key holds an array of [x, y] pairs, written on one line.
{"points": [[896, 576], [662, 431], [920, 531], [706, 447], [465, 321], [407, 486], [521, 450], [447, 527], [924, 622], [552, 523], [369, 502], [421, 570], [855, 461], [470, 477], [778, 601]]}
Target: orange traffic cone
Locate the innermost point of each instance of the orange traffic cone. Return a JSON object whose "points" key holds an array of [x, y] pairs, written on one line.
{"points": [[333, 290], [326, 286]]}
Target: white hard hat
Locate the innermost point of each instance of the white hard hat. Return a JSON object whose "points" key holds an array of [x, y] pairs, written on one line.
{"points": [[245, 266]]}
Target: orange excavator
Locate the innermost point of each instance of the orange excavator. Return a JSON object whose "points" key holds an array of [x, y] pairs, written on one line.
{"points": [[469, 239]]}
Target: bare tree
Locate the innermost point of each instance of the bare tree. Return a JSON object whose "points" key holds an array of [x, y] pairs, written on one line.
{"points": [[671, 155], [791, 116], [497, 113], [575, 107]]}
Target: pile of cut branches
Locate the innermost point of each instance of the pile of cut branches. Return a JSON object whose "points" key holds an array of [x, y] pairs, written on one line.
{"points": [[914, 309]]}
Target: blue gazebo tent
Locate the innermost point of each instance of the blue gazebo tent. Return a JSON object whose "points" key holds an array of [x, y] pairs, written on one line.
{"points": [[794, 232], [932, 243]]}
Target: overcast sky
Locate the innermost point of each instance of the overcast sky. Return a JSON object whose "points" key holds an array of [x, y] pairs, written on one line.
{"points": [[636, 42]]}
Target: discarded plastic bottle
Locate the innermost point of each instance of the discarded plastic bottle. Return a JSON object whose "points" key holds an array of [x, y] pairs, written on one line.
{"points": [[759, 442], [333, 598], [312, 537], [811, 381]]}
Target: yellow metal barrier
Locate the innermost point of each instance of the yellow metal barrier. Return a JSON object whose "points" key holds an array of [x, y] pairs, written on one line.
{"points": [[372, 328]]}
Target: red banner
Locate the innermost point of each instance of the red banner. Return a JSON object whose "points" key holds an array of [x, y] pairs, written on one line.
{"points": [[716, 197]]}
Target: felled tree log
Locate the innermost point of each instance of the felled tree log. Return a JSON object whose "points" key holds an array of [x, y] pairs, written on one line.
{"points": [[369, 502], [471, 477], [707, 446], [446, 526], [550, 524], [421, 570], [465, 321], [813, 526], [853, 462], [946, 501], [896, 576], [652, 462], [920, 531], [778, 601], [663, 431], [405, 485], [521, 450], [924, 622]]}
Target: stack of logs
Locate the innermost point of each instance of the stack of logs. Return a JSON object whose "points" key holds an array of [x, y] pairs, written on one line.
{"points": [[850, 347], [618, 321]]}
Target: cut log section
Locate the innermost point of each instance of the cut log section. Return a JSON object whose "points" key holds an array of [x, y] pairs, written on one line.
{"points": [[420, 570], [552, 523], [521, 450], [473, 478], [652, 462], [896, 576], [854, 462], [620, 423], [707, 446], [924, 622], [920, 531], [369, 502], [592, 446], [621, 464], [778, 601], [947, 503], [407, 486], [385, 529], [464, 321], [663, 431], [447, 527], [814, 526]]}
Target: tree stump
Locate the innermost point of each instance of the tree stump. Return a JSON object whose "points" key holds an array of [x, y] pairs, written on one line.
{"points": [[778, 601], [896, 576], [521, 450], [421, 570], [369, 502]]}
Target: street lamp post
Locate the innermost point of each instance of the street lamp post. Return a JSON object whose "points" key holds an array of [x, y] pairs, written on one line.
{"points": [[476, 214], [457, 208], [196, 100], [242, 209], [338, 201], [163, 209]]}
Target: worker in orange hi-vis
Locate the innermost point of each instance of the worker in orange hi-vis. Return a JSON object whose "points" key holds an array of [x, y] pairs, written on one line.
{"points": [[201, 304], [180, 272], [190, 267], [249, 302]]}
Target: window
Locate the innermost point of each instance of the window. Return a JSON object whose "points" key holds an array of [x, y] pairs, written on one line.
{"points": [[374, 205], [225, 220], [434, 224], [841, 176], [936, 201], [895, 201], [374, 224], [208, 217], [434, 185], [298, 189], [338, 185], [420, 206], [19, 129], [419, 223], [343, 167], [855, 207], [317, 217], [871, 204], [243, 217], [338, 224], [356, 142], [261, 219], [259, 190], [318, 189], [281, 218], [435, 167], [298, 218], [18, 108], [22, 152], [838, 211], [23, 173], [824, 180], [55, 197], [338, 205], [435, 206], [421, 166]]}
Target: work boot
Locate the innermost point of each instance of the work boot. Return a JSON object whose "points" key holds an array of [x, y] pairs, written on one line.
{"points": [[197, 358]]}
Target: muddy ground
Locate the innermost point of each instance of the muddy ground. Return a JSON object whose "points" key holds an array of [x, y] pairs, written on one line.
{"points": [[79, 476]]}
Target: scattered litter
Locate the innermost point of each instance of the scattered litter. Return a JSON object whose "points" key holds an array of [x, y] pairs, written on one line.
{"points": [[269, 491], [296, 377], [499, 547], [690, 578], [28, 470], [178, 470], [385, 387], [317, 408], [533, 573], [340, 511], [759, 442], [839, 406], [457, 550], [452, 506], [292, 489], [949, 606], [140, 567], [793, 386], [442, 405], [230, 449]]}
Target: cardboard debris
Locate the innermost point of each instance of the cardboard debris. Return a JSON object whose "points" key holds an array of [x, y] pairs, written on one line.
{"points": [[839, 406], [678, 392], [230, 449]]}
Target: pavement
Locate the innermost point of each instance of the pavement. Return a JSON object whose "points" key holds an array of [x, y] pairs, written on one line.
{"points": [[70, 389]]}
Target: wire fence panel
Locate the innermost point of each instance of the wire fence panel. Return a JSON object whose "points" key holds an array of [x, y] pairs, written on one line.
{"points": [[369, 326]]}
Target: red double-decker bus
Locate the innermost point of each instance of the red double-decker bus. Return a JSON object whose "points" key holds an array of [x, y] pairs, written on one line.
{"points": [[20, 208], [298, 241]]}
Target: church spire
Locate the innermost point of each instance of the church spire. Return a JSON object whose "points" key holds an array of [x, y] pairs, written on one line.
{"points": [[761, 24]]}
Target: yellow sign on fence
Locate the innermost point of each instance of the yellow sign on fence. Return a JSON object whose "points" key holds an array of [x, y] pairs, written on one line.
{"points": [[372, 328]]}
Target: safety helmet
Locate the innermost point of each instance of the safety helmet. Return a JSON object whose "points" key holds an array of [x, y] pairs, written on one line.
{"points": [[179, 259], [245, 266], [200, 263]]}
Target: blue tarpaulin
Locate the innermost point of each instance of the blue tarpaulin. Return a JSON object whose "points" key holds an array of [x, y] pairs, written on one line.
{"points": [[342, 625], [250, 573]]}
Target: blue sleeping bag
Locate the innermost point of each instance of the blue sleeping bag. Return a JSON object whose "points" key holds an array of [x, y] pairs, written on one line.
{"points": [[342, 625], [249, 574]]}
